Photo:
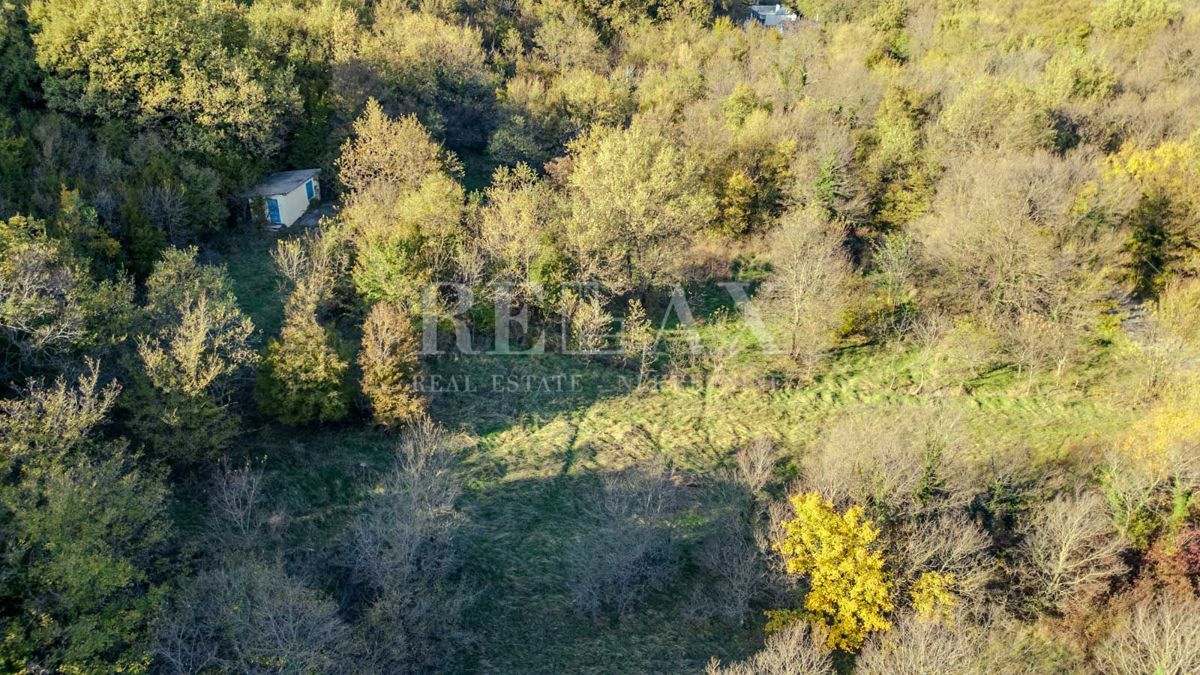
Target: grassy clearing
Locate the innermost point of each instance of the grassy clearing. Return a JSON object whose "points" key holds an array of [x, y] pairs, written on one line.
{"points": [[247, 256], [538, 429], [532, 454]]}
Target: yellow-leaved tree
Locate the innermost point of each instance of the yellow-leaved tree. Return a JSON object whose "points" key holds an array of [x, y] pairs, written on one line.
{"points": [[1163, 218], [848, 590], [932, 596]]}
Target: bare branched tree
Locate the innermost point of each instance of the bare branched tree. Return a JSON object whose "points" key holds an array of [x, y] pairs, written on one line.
{"points": [[896, 464], [1071, 551], [1009, 248], [735, 572], [798, 649], [952, 545], [916, 646], [626, 548], [809, 288], [236, 501], [405, 548], [251, 618], [311, 264], [754, 464], [166, 209], [1161, 636]]}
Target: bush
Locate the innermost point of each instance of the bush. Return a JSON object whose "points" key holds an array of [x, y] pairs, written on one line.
{"points": [[798, 649], [303, 377], [626, 549], [390, 366]]}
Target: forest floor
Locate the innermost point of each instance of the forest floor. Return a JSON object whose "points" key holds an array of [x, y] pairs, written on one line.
{"points": [[538, 429]]}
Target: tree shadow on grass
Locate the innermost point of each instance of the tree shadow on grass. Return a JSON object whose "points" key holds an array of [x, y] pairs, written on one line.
{"points": [[487, 393], [521, 553]]}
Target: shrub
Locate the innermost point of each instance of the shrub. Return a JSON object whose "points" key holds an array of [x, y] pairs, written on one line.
{"points": [[798, 649], [626, 548], [303, 377], [390, 366]]}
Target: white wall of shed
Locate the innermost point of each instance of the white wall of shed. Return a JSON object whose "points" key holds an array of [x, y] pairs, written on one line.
{"points": [[292, 205]]}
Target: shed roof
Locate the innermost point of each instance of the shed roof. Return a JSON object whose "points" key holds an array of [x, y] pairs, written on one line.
{"points": [[764, 11], [282, 183]]}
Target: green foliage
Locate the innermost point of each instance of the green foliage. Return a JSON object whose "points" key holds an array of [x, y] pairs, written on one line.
{"points": [[82, 525], [635, 200], [51, 308], [751, 179], [404, 239], [1074, 74], [743, 101], [390, 366], [78, 225], [933, 200], [126, 63], [1004, 114], [303, 378], [417, 63], [398, 153], [18, 69], [1164, 223], [87, 534], [889, 23], [1137, 17], [903, 184], [190, 360], [518, 229], [404, 211]]}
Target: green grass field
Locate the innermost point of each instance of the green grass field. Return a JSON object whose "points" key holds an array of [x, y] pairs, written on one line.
{"points": [[537, 429]]}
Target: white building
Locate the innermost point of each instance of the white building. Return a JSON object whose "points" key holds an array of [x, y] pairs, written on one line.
{"points": [[772, 16], [286, 195]]}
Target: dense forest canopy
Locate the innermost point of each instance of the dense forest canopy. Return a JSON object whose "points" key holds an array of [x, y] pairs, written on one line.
{"points": [[632, 336]]}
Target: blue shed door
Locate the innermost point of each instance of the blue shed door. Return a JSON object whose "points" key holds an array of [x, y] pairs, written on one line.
{"points": [[308, 188], [273, 212]]}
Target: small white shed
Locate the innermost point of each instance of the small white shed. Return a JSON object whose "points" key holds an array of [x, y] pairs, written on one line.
{"points": [[773, 16], [286, 195]]}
